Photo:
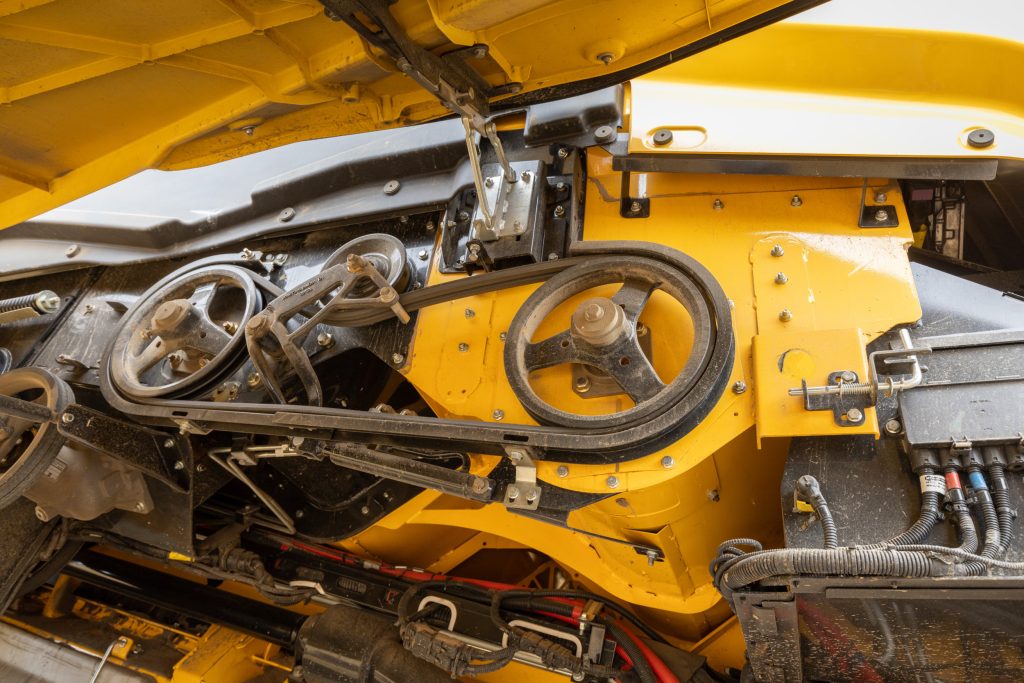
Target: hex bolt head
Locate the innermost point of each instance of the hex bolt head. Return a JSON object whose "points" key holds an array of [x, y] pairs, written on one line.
{"points": [[893, 427], [848, 376], [662, 136], [559, 211], [785, 315], [397, 358], [502, 336], [423, 255], [179, 465], [498, 414], [880, 197], [668, 462], [470, 313], [714, 496], [796, 201], [512, 492], [562, 471], [739, 386], [563, 152], [718, 204], [392, 187], [781, 278], [854, 415], [72, 251], [635, 207], [253, 380], [479, 485], [582, 384], [613, 482], [777, 251], [168, 443], [67, 418], [463, 347], [881, 215], [325, 340], [286, 214]]}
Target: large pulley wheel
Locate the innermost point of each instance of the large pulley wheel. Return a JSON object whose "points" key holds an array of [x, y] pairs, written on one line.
{"points": [[27, 447], [184, 332], [602, 335]]}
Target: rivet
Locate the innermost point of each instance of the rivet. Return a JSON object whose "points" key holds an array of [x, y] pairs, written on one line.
{"points": [[880, 198], [392, 186], [286, 215], [470, 313]]}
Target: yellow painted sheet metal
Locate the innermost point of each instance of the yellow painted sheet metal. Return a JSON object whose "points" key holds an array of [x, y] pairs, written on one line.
{"points": [[92, 91]]}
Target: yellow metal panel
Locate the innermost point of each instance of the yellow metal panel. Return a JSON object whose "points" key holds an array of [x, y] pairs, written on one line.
{"points": [[98, 89]]}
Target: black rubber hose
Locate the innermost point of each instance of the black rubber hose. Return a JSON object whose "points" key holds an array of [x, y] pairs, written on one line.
{"points": [[964, 521], [1001, 499], [928, 517], [991, 546], [640, 664], [808, 490]]}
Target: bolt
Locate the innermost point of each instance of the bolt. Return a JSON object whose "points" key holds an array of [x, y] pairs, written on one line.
{"points": [[502, 336], [248, 130], [201, 467], [582, 384], [781, 278], [41, 514], [848, 377], [593, 313], [281, 259], [392, 187], [72, 251], [512, 492], [470, 313], [563, 152], [67, 418], [397, 358], [560, 186], [881, 215], [254, 380], [179, 465], [713, 496], [299, 514], [559, 211], [479, 485], [365, 510], [89, 308], [739, 386], [430, 226], [668, 462], [515, 456], [531, 496], [168, 443], [796, 201], [286, 214], [463, 216], [854, 415], [325, 340], [463, 347], [552, 256], [893, 427], [652, 557], [526, 175], [718, 205], [785, 315], [606, 58], [498, 414], [613, 482], [777, 251], [230, 327], [423, 255], [635, 207], [880, 198], [562, 471], [479, 51], [140, 507]]}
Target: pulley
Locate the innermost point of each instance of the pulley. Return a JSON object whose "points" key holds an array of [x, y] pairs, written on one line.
{"points": [[184, 332], [385, 253]]}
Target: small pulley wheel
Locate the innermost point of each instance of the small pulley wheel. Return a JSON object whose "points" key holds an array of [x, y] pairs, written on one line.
{"points": [[602, 334], [27, 447], [385, 252], [183, 332]]}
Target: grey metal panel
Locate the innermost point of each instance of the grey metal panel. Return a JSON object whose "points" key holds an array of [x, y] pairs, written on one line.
{"points": [[27, 658]]}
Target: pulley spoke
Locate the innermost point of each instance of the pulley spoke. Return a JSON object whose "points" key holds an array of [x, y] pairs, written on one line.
{"points": [[633, 296], [206, 336], [633, 372], [550, 352], [157, 349]]}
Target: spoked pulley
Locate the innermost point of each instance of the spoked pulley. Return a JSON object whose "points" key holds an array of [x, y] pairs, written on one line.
{"points": [[184, 332], [602, 336], [29, 444]]}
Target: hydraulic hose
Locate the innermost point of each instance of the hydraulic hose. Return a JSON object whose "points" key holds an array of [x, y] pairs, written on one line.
{"points": [[996, 466], [992, 544], [964, 521]]}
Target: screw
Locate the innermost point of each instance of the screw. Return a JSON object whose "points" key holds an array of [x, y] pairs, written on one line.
{"points": [[652, 557], [562, 471], [531, 496], [498, 414], [512, 492], [423, 255], [880, 197], [785, 315], [739, 387], [635, 207], [392, 187], [72, 251], [781, 278], [613, 482], [881, 215], [718, 205], [854, 415], [713, 496], [397, 358], [515, 456], [325, 340], [777, 251], [559, 211], [286, 214], [168, 443], [796, 201], [67, 418], [582, 384], [463, 347], [668, 462], [893, 427], [253, 380], [179, 465], [470, 313], [848, 376]]}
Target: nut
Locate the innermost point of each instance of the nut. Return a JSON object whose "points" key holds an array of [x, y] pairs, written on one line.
{"points": [[796, 201], [498, 414], [718, 205], [463, 347], [397, 358], [613, 482], [785, 315], [781, 278], [739, 387], [777, 251], [325, 340]]}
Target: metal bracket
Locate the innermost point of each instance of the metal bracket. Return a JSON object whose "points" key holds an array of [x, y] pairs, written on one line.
{"points": [[632, 207], [847, 406], [515, 203], [523, 493], [876, 215]]}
